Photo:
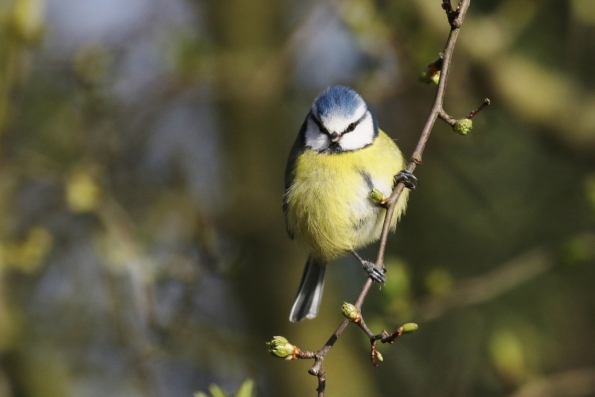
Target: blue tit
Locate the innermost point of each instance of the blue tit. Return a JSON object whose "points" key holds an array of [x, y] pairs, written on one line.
{"points": [[340, 155]]}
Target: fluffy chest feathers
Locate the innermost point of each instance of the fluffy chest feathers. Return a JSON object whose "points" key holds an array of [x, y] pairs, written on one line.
{"points": [[329, 208]]}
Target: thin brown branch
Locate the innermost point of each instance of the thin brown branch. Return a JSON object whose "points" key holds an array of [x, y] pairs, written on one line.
{"points": [[455, 18], [452, 14], [448, 119], [486, 102]]}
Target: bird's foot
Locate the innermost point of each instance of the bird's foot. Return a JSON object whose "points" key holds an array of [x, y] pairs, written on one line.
{"points": [[375, 272], [406, 178]]}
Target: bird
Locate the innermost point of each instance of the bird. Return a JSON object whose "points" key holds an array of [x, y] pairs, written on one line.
{"points": [[339, 157]]}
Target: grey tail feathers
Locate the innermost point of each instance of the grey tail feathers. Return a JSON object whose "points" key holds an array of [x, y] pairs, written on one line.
{"points": [[307, 300]]}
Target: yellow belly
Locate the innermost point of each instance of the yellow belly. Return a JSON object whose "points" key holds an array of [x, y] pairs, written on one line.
{"points": [[329, 206]]}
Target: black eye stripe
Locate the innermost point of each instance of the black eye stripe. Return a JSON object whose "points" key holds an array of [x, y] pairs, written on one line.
{"points": [[320, 126], [349, 129], [352, 126]]}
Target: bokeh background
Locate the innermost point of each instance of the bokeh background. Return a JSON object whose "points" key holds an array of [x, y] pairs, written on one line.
{"points": [[142, 154]]}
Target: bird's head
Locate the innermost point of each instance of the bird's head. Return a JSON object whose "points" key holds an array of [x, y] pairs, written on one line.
{"points": [[339, 121]]}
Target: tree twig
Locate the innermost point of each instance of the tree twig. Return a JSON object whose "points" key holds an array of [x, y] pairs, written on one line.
{"points": [[416, 159], [455, 19]]}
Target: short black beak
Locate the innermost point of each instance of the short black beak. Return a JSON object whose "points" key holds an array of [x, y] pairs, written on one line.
{"points": [[335, 137]]}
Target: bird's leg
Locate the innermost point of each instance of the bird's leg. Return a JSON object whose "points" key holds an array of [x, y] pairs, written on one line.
{"points": [[373, 271], [407, 178]]}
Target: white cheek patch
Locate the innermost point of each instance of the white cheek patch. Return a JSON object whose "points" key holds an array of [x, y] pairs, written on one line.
{"points": [[316, 139], [362, 136]]}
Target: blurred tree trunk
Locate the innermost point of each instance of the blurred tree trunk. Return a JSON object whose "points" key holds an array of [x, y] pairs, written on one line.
{"points": [[252, 63], [247, 36]]}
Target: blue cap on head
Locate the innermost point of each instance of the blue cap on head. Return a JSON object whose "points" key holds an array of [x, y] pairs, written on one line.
{"points": [[337, 100]]}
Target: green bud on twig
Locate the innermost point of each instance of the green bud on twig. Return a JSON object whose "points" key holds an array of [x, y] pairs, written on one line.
{"points": [[409, 328], [377, 196], [351, 312], [431, 74], [280, 347], [463, 126]]}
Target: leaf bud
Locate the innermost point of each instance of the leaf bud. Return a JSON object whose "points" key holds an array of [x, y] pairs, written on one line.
{"points": [[409, 328], [463, 126], [280, 347], [377, 196], [429, 76], [351, 312]]}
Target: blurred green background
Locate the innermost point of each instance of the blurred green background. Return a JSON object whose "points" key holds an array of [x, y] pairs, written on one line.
{"points": [[142, 153]]}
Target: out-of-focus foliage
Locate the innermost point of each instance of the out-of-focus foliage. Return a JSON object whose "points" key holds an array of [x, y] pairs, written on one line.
{"points": [[245, 390], [142, 158]]}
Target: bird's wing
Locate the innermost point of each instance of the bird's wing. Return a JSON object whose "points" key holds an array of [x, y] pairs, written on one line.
{"points": [[296, 151]]}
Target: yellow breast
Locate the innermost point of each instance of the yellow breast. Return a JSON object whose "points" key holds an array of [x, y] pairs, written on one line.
{"points": [[329, 206]]}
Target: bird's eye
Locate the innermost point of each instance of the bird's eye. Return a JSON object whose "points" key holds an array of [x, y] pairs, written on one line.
{"points": [[350, 128]]}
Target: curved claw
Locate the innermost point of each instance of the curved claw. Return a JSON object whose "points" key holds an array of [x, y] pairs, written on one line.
{"points": [[374, 272], [406, 178]]}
